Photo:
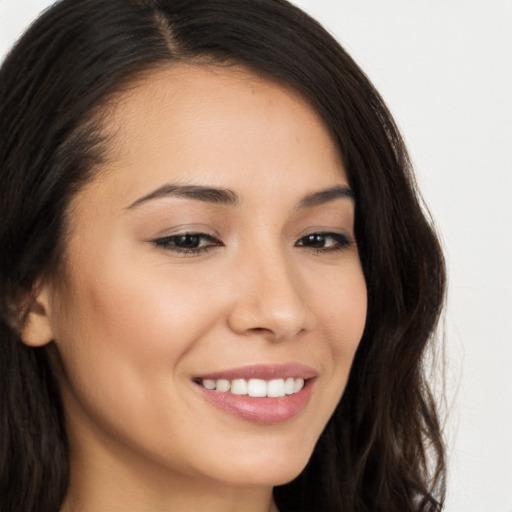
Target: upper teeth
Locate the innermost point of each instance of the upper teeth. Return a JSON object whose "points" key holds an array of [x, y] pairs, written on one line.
{"points": [[256, 387]]}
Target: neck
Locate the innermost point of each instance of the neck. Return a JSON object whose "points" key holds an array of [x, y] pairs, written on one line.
{"points": [[119, 484], [220, 501]]}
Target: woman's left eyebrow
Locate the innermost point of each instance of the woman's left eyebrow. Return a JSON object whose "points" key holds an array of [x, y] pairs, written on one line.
{"points": [[326, 196]]}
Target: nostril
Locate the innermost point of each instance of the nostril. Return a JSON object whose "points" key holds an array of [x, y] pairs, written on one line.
{"points": [[277, 316], [260, 330]]}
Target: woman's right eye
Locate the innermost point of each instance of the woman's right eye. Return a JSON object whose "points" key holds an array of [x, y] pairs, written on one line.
{"points": [[188, 243]]}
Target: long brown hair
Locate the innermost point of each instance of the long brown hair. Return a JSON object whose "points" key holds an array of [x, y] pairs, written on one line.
{"points": [[382, 450]]}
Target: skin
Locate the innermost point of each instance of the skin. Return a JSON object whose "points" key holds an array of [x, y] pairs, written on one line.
{"points": [[132, 321]]}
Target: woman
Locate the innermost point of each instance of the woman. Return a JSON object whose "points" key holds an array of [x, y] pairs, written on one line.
{"points": [[218, 283]]}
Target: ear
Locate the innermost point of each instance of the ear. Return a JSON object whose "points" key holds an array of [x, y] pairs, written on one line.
{"points": [[37, 330]]}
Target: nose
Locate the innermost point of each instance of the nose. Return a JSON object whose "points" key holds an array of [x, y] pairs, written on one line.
{"points": [[270, 300]]}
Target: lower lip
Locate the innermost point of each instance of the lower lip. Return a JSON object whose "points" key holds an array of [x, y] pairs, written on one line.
{"points": [[260, 410]]}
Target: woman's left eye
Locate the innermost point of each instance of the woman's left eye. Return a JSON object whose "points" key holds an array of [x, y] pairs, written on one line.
{"points": [[187, 243], [324, 242]]}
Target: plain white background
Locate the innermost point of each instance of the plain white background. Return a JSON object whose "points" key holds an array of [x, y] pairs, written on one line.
{"points": [[445, 69]]}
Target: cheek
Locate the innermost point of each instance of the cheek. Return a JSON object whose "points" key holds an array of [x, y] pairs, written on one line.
{"points": [[139, 314], [120, 327], [343, 316], [349, 325], [341, 306], [339, 300], [122, 337]]}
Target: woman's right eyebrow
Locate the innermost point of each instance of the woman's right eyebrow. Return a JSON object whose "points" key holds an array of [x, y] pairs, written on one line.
{"points": [[198, 192]]}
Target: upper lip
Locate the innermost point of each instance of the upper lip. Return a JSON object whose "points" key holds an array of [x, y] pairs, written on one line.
{"points": [[263, 371]]}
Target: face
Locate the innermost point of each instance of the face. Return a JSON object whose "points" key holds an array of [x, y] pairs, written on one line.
{"points": [[213, 251]]}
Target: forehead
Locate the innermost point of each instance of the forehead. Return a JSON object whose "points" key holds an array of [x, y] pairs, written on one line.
{"points": [[202, 97], [212, 125]]}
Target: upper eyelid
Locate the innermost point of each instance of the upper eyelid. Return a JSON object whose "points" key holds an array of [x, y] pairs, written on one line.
{"points": [[185, 233], [326, 232], [211, 235], [166, 243]]}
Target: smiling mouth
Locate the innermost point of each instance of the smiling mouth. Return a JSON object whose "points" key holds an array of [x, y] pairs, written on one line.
{"points": [[255, 388], [259, 393]]}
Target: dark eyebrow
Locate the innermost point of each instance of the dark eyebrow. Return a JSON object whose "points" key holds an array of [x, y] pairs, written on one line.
{"points": [[228, 197], [200, 193], [326, 196]]}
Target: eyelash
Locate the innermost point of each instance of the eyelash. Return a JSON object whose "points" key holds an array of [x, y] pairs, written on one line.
{"points": [[170, 243], [341, 242]]}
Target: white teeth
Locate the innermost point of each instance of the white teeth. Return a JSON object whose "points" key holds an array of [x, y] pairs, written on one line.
{"points": [[289, 384], [257, 388], [274, 388], [222, 385], [298, 385], [209, 383], [239, 387]]}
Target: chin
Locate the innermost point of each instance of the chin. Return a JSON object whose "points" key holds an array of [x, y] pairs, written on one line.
{"points": [[263, 471]]}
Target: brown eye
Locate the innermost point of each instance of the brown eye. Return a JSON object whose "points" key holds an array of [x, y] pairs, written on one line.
{"points": [[324, 241], [187, 243]]}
